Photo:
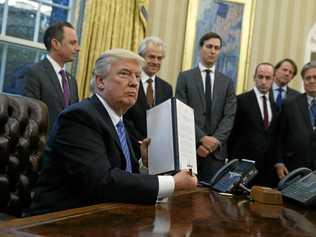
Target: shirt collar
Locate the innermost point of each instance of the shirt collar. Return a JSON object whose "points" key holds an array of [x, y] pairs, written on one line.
{"points": [[55, 65], [145, 77], [114, 117], [309, 99], [259, 94], [275, 87], [203, 68]]}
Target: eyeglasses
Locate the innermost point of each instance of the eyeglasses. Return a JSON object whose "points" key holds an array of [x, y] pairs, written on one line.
{"points": [[310, 78]]}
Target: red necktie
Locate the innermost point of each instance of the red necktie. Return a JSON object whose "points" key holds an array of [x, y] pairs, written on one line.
{"points": [[265, 112]]}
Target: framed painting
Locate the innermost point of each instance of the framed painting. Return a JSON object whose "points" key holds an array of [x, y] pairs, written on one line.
{"points": [[232, 20]]}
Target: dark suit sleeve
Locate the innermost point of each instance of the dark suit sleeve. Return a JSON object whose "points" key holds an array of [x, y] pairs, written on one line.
{"points": [[32, 84], [88, 154], [227, 122]]}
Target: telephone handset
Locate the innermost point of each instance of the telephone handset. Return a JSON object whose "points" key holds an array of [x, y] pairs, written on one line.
{"points": [[293, 176], [300, 185], [233, 174]]}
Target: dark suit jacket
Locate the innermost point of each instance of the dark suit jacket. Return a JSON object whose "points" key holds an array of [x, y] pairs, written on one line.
{"points": [[190, 90], [136, 115], [84, 164], [250, 140], [297, 140], [41, 82]]}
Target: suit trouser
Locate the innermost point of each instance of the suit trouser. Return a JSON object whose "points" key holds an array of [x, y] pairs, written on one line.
{"points": [[207, 167]]}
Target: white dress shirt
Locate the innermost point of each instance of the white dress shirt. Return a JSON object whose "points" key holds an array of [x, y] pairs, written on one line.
{"points": [[166, 182], [57, 69], [260, 102], [203, 75]]}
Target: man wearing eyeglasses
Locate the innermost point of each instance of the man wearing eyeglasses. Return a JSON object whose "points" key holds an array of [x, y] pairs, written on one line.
{"points": [[297, 137]]}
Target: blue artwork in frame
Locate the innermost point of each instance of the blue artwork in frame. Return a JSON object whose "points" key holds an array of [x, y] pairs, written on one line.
{"points": [[225, 18]]}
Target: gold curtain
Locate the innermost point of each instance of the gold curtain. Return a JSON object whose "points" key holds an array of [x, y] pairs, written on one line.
{"points": [[108, 24]]}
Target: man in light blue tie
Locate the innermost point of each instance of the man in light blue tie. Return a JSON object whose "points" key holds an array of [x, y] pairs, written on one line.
{"points": [[297, 136], [89, 158], [285, 71]]}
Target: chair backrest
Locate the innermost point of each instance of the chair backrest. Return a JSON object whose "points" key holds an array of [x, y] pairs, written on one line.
{"points": [[23, 135]]}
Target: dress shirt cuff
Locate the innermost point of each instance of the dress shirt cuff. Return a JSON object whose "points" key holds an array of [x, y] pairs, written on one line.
{"points": [[278, 164], [166, 186]]}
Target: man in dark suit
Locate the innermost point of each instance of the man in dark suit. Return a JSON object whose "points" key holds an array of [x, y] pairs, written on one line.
{"points": [[47, 80], [212, 96], [285, 71], [254, 129], [297, 136], [152, 91], [89, 158]]}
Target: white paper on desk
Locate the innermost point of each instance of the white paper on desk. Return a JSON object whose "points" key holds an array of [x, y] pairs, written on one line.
{"points": [[171, 129]]}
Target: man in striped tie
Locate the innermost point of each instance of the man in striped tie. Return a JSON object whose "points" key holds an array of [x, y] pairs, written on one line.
{"points": [[89, 158]]}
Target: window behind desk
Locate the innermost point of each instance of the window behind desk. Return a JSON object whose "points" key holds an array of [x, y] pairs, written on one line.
{"points": [[22, 26]]}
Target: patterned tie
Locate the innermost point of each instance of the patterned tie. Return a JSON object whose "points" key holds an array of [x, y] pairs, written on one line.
{"points": [[265, 112], [279, 99], [208, 91], [65, 85], [313, 110], [124, 146], [150, 93]]}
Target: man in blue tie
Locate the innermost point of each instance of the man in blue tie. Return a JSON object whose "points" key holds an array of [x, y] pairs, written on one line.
{"points": [[89, 158], [285, 71], [297, 136]]}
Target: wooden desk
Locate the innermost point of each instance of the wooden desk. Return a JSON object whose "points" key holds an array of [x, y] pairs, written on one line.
{"points": [[191, 213]]}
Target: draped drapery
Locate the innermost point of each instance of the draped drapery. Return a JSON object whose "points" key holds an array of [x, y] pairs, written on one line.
{"points": [[108, 24]]}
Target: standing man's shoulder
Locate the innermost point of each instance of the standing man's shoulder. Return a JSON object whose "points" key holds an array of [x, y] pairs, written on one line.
{"points": [[189, 73]]}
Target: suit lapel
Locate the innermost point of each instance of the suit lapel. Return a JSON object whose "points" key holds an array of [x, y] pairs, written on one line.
{"points": [[110, 127], [217, 89], [52, 77], [199, 85], [303, 106], [158, 91], [142, 97], [254, 109]]}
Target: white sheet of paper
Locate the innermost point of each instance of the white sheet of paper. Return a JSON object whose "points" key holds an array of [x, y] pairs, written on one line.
{"points": [[159, 128]]}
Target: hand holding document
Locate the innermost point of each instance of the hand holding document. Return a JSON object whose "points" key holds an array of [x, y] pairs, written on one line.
{"points": [[170, 126]]}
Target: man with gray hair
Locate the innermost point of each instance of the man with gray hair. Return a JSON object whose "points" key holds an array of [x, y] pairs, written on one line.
{"points": [[297, 137], [153, 90], [89, 158]]}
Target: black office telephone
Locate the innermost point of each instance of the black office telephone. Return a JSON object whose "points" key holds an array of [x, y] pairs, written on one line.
{"points": [[300, 185], [234, 175]]}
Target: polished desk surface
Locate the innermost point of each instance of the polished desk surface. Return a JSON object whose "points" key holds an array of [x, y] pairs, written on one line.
{"points": [[190, 213]]}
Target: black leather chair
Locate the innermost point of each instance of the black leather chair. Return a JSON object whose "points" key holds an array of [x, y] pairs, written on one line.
{"points": [[23, 135]]}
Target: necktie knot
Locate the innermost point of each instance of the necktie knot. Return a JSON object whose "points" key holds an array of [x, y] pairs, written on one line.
{"points": [[149, 80], [280, 89]]}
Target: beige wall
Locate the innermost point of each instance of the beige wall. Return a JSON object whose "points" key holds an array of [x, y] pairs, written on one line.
{"points": [[280, 30]]}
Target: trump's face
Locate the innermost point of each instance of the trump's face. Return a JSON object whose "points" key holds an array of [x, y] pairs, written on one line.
{"points": [[120, 86]]}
